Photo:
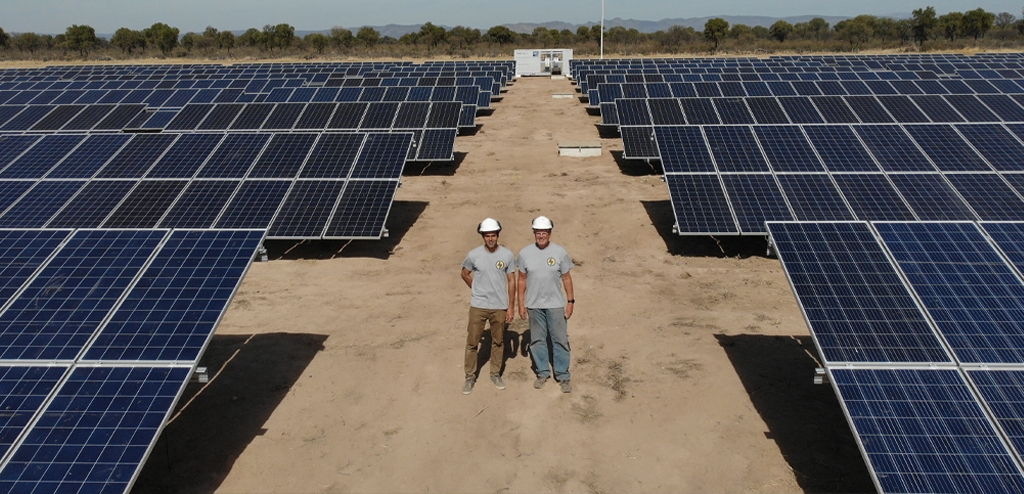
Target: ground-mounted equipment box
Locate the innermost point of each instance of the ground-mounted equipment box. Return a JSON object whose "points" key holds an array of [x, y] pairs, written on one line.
{"points": [[546, 62]]}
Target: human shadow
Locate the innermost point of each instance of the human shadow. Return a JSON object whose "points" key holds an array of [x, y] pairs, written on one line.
{"points": [[213, 423], [434, 168], [805, 420], [636, 168], [513, 344], [741, 246], [403, 216]]}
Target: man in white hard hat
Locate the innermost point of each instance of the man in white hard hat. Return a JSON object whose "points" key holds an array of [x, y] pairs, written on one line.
{"points": [[543, 274], [489, 270]]}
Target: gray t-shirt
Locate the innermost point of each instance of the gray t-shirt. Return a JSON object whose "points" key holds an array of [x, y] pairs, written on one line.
{"points": [[490, 276], [544, 270]]}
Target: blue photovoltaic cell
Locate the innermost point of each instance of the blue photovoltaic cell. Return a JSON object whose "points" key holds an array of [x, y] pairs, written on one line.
{"points": [[136, 158], [735, 149], [88, 118], [638, 143], [36, 162], [12, 190], [89, 156], [382, 156], [868, 109], [971, 294], [699, 111], [814, 197], [12, 146], [252, 117], [171, 313], [119, 117], [893, 149], [23, 390], [800, 110], [1003, 392], [1009, 237], [254, 204], [185, 156], [95, 434], [787, 149], [946, 148], [937, 109], [733, 111], [990, 197], [347, 116], [840, 149], [189, 117], [306, 210], [27, 118], [60, 309], [38, 205], [413, 115], [971, 108], [316, 116], [834, 109], [873, 198], [146, 204], [922, 430], [633, 111], [284, 116], [21, 253], [283, 156], [700, 204], [200, 204], [666, 111], [221, 116], [683, 149], [855, 303], [362, 209], [333, 156], [92, 205], [436, 144], [768, 111], [902, 108], [755, 199], [1004, 106], [234, 156], [380, 115], [931, 197], [999, 147]]}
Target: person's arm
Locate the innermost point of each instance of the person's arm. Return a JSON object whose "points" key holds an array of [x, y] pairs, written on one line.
{"points": [[570, 294], [467, 276], [510, 314], [521, 288]]}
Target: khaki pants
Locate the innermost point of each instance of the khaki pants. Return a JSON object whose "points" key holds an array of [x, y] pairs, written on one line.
{"points": [[477, 319]]}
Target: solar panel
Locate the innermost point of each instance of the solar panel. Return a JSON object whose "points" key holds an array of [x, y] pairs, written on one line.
{"points": [[379, 116], [54, 317], [970, 108], [444, 115], [700, 205], [362, 209], [146, 204], [92, 204], [800, 110], [733, 111], [735, 149], [252, 116], [21, 254], [787, 149], [12, 146], [971, 294], [1004, 106], [38, 205], [89, 156], [638, 142], [234, 156], [699, 111], [1009, 238], [382, 156], [117, 413], [1001, 391], [38, 160], [922, 430], [666, 111], [135, 159], [27, 118], [200, 204], [189, 117], [946, 148], [436, 144], [990, 197], [254, 204], [57, 118], [872, 197], [185, 156], [119, 117], [999, 147], [25, 389], [283, 156], [633, 111], [412, 115], [937, 109], [893, 149], [333, 156], [902, 109], [931, 197], [306, 210], [755, 199], [171, 313], [868, 109], [840, 149], [682, 149], [834, 109], [221, 116], [284, 116], [813, 197]]}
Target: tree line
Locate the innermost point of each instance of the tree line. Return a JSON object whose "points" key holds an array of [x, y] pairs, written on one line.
{"points": [[924, 30]]}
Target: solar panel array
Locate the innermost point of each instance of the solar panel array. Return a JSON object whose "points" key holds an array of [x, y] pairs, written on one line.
{"points": [[101, 331], [921, 328], [824, 138]]}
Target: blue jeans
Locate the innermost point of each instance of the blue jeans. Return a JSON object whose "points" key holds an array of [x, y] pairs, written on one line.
{"points": [[550, 324]]}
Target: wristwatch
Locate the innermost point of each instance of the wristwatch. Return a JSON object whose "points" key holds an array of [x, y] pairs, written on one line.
{"points": [[571, 301]]}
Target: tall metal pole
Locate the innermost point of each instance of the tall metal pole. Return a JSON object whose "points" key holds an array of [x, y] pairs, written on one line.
{"points": [[602, 29]]}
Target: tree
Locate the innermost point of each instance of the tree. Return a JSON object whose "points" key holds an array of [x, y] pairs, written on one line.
{"points": [[950, 24], [818, 27], [780, 30], [905, 30], [461, 37], [5, 39], [760, 32], [924, 22], [81, 39], [856, 31], [188, 41], [977, 22], [1005, 20], [251, 37], [226, 41], [128, 40], [886, 29], [432, 35], [715, 30], [284, 35], [583, 33], [368, 36], [162, 36], [342, 38], [741, 32], [318, 41], [29, 42], [502, 35]]}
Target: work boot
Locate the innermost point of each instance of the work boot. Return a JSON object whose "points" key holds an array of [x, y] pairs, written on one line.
{"points": [[539, 383], [468, 387], [566, 387]]}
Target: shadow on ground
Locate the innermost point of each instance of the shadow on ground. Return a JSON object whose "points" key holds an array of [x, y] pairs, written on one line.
{"points": [[403, 215], [636, 168], [214, 425], [804, 419], [434, 168], [741, 246]]}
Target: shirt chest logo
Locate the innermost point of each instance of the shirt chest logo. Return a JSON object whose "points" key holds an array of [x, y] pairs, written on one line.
{"points": [[500, 264], [551, 261]]}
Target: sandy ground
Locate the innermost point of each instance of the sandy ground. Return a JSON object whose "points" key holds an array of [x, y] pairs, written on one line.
{"points": [[339, 366]]}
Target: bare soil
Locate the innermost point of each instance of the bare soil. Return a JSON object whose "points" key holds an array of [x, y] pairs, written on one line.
{"points": [[338, 367]]}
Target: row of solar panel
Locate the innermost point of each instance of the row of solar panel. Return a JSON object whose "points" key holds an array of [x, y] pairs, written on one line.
{"points": [[176, 98], [609, 92], [589, 82], [839, 148], [816, 110]]}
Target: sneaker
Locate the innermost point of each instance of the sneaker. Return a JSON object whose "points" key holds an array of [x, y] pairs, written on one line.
{"points": [[539, 383], [566, 387], [498, 383], [468, 387]]}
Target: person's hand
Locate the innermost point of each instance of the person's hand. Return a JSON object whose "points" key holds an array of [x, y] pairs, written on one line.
{"points": [[568, 311], [522, 312], [510, 314]]}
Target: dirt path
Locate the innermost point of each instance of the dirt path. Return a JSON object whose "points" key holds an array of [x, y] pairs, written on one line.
{"points": [[342, 365]]}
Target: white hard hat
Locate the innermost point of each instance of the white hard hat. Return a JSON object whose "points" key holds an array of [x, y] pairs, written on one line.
{"points": [[542, 223], [488, 225]]}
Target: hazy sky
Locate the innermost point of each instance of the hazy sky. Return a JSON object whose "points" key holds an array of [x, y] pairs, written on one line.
{"points": [[54, 16]]}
